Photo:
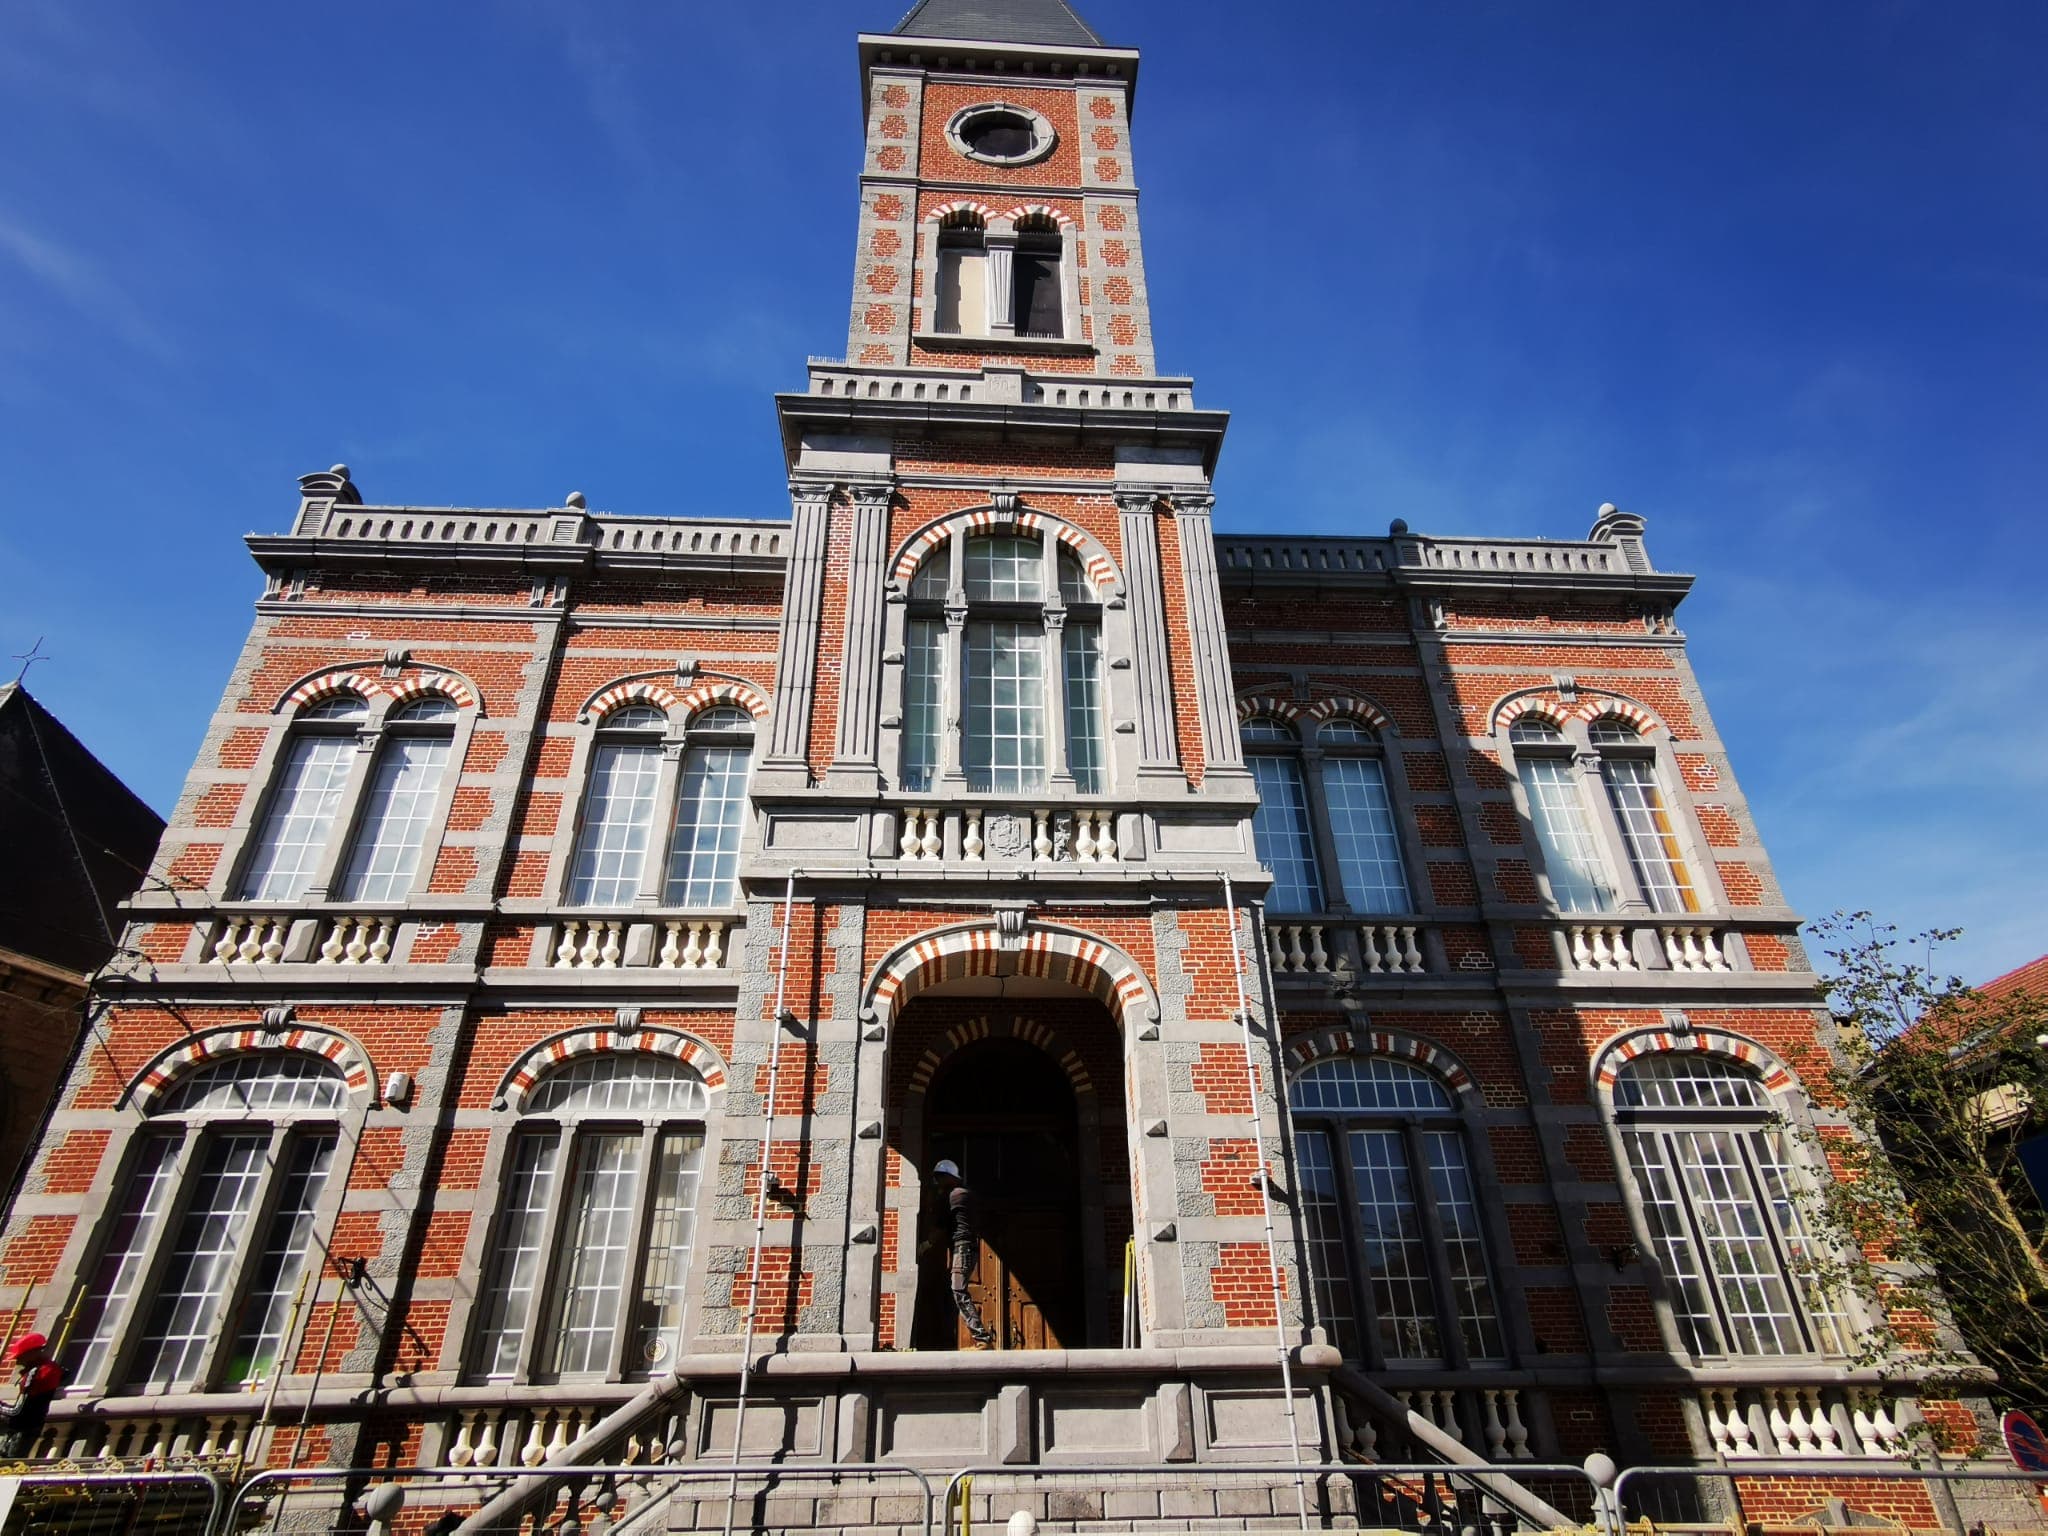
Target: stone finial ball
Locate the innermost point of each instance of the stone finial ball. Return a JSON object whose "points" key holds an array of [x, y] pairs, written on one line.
{"points": [[339, 469], [574, 499], [1601, 1469], [1608, 509], [1398, 526]]}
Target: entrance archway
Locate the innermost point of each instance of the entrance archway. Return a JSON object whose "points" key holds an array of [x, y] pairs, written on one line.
{"points": [[1025, 1094]]}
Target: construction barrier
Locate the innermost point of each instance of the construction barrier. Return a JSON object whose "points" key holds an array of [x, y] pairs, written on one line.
{"points": [[1758, 1497], [66, 1501]]}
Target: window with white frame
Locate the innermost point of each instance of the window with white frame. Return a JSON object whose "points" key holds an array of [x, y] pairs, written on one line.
{"points": [[589, 1267], [1628, 766], [212, 1228], [623, 794], [405, 788], [963, 302], [1579, 878], [1391, 1211], [305, 796], [1003, 282], [1281, 826], [1368, 844], [1020, 652], [1721, 1189]]}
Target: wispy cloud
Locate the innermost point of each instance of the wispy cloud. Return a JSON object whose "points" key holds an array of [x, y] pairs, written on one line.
{"points": [[80, 282], [597, 57]]}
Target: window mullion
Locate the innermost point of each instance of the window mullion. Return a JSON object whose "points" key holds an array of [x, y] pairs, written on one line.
{"points": [[655, 873], [1323, 834], [1703, 1252], [341, 834], [227, 1321], [547, 1301], [1759, 1194], [1364, 1297], [953, 671], [633, 1282], [1450, 1326]]}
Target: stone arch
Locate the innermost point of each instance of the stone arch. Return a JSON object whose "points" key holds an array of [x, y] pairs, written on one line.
{"points": [[447, 684], [723, 690], [607, 1039], [1327, 1044], [913, 552], [329, 681], [618, 695], [326, 684], [1252, 704], [1610, 1058], [1351, 707], [349, 1058], [1042, 211], [1621, 709], [1514, 708], [1049, 954], [1018, 1027], [939, 213]]}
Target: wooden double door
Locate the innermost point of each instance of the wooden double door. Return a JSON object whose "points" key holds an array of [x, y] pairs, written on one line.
{"points": [[1005, 1115]]}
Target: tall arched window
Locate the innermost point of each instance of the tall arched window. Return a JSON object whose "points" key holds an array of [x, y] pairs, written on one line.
{"points": [[1281, 829], [1038, 303], [1392, 1216], [590, 1263], [404, 788], [1720, 1192], [1362, 819], [1580, 880], [1628, 766], [623, 801], [214, 1227], [963, 301], [305, 795], [1009, 627]]}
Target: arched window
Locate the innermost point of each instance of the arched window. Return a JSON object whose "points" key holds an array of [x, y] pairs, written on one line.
{"points": [[590, 1263], [1579, 878], [1038, 304], [1281, 829], [1720, 1192], [214, 1227], [1628, 766], [404, 788], [625, 794], [963, 298], [1024, 639], [1362, 819], [305, 795], [1392, 1216]]}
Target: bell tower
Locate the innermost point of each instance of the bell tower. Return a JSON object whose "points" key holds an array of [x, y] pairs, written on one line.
{"points": [[999, 210]]}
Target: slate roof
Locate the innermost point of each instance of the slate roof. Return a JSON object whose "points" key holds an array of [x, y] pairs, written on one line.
{"points": [[1046, 22]]}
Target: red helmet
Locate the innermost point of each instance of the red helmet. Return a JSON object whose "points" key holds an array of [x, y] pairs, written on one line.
{"points": [[27, 1344]]}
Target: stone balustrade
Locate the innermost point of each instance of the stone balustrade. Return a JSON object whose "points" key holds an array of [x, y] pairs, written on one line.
{"points": [[1600, 947], [1488, 1420], [1780, 1422], [1038, 835], [663, 943], [1390, 947], [265, 939], [1346, 951], [166, 1442], [1694, 947]]}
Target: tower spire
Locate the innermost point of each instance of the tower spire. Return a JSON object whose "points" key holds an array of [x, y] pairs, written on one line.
{"points": [[1051, 23]]}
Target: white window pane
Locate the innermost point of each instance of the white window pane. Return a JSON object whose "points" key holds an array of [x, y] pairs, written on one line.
{"points": [[403, 790], [266, 1312], [1002, 568], [597, 1250], [143, 1198], [1005, 706], [1390, 1229], [924, 653], [300, 818], [516, 1263], [962, 308], [1663, 1206], [1367, 1082], [1578, 875], [618, 820], [1280, 831], [257, 1083], [623, 1083], [1785, 1183], [672, 1228], [186, 1310], [1362, 824], [1087, 758], [1688, 1080], [1755, 1301], [711, 804], [1646, 828], [1457, 1210], [1328, 1258]]}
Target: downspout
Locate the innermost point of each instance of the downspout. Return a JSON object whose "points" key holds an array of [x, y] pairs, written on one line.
{"points": [[1251, 1076]]}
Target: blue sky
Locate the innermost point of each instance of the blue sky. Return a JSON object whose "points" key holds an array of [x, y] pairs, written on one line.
{"points": [[1773, 276]]}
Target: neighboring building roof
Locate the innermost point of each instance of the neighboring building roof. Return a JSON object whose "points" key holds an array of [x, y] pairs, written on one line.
{"points": [[77, 840], [1052, 22], [2031, 978]]}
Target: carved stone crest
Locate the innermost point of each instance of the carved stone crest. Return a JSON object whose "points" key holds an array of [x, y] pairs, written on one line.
{"points": [[1007, 836]]}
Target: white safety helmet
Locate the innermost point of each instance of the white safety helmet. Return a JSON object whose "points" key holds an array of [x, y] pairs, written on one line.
{"points": [[946, 1168]]}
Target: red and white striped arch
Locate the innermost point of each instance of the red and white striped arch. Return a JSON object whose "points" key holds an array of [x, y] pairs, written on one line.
{"points": [[1041, 210], [604, 1040], [1328, 1044], [619, 695], [1608, 1062], [943, 211], [445, 684], [725, 691], [1048, 954], [1101, 570], [1251, 705], [1620, 709], [309, 1039], [1019, 1027], [1346, 706], [1543, 709], [325, 685]]}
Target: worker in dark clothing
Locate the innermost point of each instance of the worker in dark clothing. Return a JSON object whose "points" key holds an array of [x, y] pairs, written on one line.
{"points": [[955, 1228], [38, 1378]]}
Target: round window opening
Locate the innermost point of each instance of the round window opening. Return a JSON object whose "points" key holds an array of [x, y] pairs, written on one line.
{"points": [[1001, 135]]}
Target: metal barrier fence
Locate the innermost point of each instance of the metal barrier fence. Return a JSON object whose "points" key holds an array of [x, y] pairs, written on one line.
{"points": [[1763, 1495], [623, 1500], [64, 1502], [1193, 1496]]}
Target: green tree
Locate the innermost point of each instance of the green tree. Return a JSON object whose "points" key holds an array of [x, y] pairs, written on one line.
{"points": [[1929, 1208]]}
